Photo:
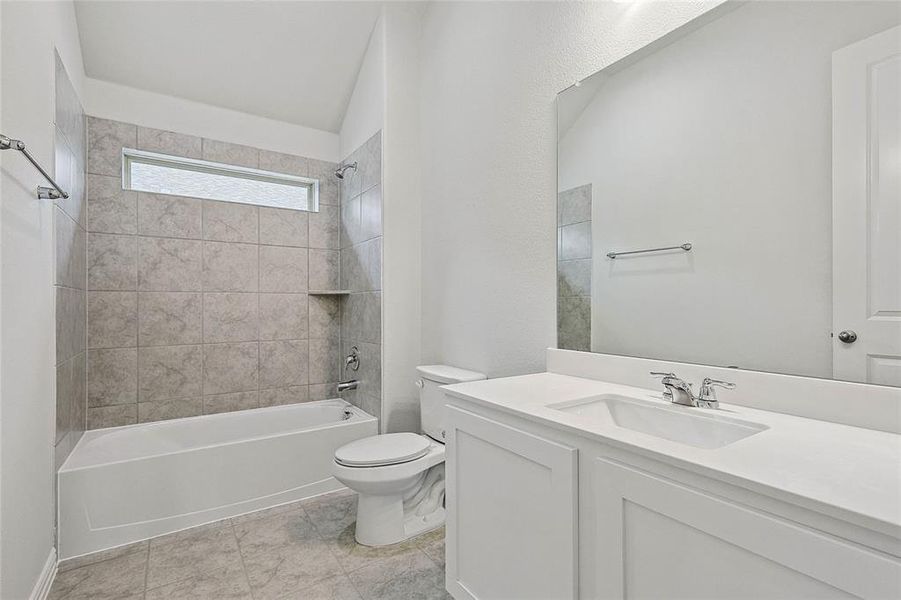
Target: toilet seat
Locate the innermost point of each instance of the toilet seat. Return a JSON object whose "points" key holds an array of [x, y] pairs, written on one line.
{"points": [[382, 450]]}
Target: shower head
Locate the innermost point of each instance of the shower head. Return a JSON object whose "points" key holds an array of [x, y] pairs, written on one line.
{"points": [[339, 172]]}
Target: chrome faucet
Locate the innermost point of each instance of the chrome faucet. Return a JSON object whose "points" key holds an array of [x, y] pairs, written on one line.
{"points": [[348, 385], [678, 391], [352, 360]]}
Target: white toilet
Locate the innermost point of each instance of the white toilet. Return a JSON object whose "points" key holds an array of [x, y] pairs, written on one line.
{"points": [[400, 476]]}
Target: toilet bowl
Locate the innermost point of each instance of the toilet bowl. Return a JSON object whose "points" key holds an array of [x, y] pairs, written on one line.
{"points": [[399, 477]]}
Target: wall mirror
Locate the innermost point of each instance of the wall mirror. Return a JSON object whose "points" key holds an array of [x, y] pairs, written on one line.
{"points": [[731, 194]]}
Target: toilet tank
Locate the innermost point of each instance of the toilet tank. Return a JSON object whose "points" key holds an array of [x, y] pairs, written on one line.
{"points": [[431, 396]]}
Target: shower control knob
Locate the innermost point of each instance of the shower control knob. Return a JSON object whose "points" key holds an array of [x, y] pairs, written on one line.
{"points": [[847, 337]]}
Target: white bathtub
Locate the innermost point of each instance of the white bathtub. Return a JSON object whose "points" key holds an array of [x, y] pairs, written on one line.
{"points": [[125, 484]]}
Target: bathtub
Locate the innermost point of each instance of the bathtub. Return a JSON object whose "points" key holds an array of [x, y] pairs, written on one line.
{"points": [[126, 484]]}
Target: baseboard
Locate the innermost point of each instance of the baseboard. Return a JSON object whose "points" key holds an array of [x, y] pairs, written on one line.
{"points": [[42, 588]]}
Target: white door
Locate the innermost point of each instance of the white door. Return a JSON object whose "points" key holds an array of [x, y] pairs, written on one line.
{"points": [[866, 196]]}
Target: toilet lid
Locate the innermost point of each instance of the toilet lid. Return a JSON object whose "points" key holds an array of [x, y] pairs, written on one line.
{"points": [[378, 450]]}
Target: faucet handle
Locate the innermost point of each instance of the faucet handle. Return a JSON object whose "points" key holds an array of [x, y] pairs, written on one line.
{"points": [[707, 394], [667, 393]]}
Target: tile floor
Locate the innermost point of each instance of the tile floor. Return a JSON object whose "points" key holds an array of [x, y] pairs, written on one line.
{"points": [[304, 551]]}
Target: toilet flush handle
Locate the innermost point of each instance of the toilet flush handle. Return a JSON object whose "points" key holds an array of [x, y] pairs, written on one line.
{"points": [[420, 383]]}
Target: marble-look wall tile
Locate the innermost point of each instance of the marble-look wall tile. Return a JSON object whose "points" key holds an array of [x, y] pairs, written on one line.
{"points": [[164, 215], [71, 251], [284, 363], [112, 319], [325, 268], [105, 142], [112, 416], [284, 316], [284, 227], [351, 222], [371, 213], [173, 408], [574, 205], [65, 382], [232, 367], [221, 403], [279, 162], [323, 391], [170, 318], [329, 185], [112, 262], [166, 372], [362, 317], [69, 114], [281, 396], [575, 241], [369, 158], [325, 230], [325, 321], [71, 323], [112, 377], [168, 142], [169, 265], [574, 323], [361, 266], [201, 306], [231, 317], [574, 277], [324, 360], [231, 267], [283, 269], [110, 208], [231, 154], [231, 222]]}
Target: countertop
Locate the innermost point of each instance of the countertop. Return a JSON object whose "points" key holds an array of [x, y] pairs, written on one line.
{"points": [[847, 472]]}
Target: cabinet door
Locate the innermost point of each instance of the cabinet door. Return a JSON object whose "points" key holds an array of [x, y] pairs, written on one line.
{"points": [[660, 539], [511, 525]]}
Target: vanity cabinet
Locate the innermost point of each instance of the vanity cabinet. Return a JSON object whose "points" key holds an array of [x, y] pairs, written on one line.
{"points": [[512, 523], [539, 512]]}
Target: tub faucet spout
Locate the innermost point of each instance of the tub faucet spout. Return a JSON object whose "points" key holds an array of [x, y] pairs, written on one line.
{"points": [[347, 385]]}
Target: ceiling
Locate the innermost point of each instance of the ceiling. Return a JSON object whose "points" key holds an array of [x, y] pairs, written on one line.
{"points": [[291, 61]]}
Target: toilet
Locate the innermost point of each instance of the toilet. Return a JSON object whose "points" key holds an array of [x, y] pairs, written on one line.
{"points": [[399, 477]]}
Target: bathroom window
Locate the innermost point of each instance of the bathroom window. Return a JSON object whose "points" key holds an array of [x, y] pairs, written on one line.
{"points": [[163, 174]]}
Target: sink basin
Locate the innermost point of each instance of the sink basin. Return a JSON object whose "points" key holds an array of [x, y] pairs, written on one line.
{"points": [[698, 427]]}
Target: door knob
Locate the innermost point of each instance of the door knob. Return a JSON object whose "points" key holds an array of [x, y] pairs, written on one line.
{"points": [[847, 337]]}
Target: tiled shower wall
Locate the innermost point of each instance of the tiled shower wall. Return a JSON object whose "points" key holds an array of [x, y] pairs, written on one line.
{"points": [[361, 271], [199, 307], [70, 272], [574, 269]]}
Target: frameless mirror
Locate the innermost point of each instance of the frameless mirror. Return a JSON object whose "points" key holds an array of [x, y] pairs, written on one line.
{"points": [[731, 194]]}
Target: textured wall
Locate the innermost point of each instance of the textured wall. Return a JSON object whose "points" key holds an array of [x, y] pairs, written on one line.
{"points": [[490, 74], [199, 307], [361, 272]]}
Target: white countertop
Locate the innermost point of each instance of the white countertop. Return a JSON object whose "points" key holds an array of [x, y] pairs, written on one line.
{"points": [[848, 472]]}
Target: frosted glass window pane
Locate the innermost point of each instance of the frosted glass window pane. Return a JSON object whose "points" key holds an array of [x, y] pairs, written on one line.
{"points": [[166, 179]]}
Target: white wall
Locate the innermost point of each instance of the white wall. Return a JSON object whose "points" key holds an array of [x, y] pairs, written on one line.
{"points": [[490, 74], [722, 139], [121, 103], [365, 113], [402, 219], [28, 33]]}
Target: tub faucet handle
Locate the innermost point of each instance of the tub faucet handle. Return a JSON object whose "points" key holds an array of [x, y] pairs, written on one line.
{"points": [[352, 360]]}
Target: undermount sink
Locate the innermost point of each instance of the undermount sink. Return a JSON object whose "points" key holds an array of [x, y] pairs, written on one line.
{"points": [[686, 425]]}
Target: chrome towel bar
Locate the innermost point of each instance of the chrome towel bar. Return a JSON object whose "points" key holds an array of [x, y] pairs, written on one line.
{"points": [[686, 246], [44, 193]]}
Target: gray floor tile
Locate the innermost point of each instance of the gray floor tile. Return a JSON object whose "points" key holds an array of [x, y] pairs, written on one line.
{"points": [[411, 575], [283, 554], [353, 556], [193, 553], [96, 557], [432, 543], [332, 513], [336, 588], [114, 579], [224, 584]]}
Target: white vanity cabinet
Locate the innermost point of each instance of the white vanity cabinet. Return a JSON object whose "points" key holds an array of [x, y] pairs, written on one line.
{"points": [[538, 512], [512, 512]]}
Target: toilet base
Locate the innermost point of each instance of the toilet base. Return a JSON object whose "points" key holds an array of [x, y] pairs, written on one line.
{"points": [[389, 519]]}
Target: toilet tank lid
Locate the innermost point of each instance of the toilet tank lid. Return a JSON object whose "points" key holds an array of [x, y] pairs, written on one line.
{"points": [[446, 374]]}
